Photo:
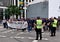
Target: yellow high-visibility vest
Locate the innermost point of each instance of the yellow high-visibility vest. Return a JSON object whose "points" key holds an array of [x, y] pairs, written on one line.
{"points": [[39, 24], [54, 24]]}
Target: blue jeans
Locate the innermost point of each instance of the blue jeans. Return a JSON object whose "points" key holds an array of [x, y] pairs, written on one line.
{"points": [[29, 28]]}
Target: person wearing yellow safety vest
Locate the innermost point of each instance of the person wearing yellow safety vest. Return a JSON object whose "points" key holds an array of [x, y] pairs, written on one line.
{"points": [[38, 28], [54, 26]]}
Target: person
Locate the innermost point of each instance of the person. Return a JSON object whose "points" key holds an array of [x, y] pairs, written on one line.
{"points": [[49, 25], [29, 25], [4, 23], [54, 26], [38, 28]]}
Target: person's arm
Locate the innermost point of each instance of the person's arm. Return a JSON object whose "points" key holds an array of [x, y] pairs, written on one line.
{"points": [[35, 24], [43, 23]]}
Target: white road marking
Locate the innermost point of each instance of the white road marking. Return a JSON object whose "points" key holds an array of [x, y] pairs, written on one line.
{"points": [[23, 37], [35, 41], [20, 33], [18, 37], [7, 31], [31, 38], [44, 39], [2, 36]]}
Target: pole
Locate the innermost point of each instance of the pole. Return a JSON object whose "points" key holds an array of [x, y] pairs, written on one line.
{"points": [[3, 13], [14, 2], [25, 9], [18, 3]]}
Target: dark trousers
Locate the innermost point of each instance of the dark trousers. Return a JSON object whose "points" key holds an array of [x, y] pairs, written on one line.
{"points": [[29, 28], [53, 31], [5, 25], [38, 33]]}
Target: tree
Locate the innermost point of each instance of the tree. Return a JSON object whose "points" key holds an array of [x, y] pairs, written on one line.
{"points": [[12, 10]]}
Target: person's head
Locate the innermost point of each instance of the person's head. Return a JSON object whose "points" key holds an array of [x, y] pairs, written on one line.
{"points": [[54, 17], [38, 17]]}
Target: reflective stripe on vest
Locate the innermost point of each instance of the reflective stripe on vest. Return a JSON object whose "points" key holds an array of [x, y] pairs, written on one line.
{"points": [[54, 24], [39, 24]]}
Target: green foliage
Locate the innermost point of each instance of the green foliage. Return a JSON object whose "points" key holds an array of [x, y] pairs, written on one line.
{"points": [[12, 10]]}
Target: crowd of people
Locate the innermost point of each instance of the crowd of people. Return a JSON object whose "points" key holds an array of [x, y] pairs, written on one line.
{"points": [[38, 24]]}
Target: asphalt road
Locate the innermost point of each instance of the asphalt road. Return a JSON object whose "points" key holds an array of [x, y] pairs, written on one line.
{"points": [[8, 35]]}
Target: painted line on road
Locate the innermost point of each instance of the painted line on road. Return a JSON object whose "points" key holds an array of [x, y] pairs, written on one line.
{"points": [[31, 37], [35, 41], [17, 37], [7, 31], [28, 38], [2, 36], [22, 37], [20, 33], [44, 38]]}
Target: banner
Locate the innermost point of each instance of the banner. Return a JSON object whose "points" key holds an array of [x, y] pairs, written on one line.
{"points": [[18, 24]]}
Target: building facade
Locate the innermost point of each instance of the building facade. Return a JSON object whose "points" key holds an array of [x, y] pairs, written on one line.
{"points": [[3, 5], [33, 8], [39, 9], [54, 8], [28, 8]]}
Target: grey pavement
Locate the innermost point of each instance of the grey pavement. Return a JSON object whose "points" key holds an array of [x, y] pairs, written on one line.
{"points": [[12, 35]]}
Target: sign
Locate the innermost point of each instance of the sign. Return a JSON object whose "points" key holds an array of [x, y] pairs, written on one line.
{"points": [[21, 2], [21, 5]]}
